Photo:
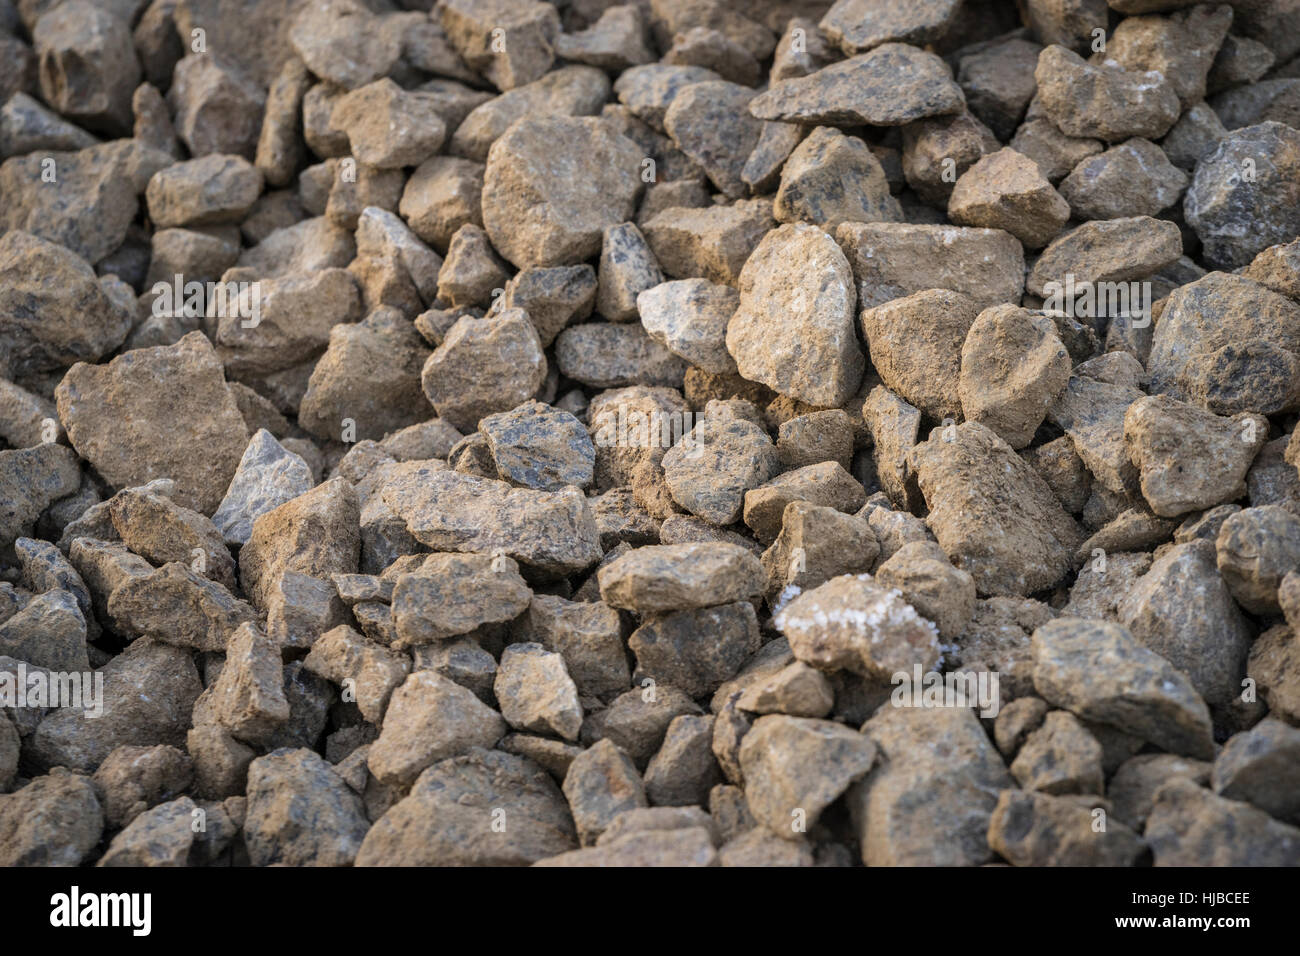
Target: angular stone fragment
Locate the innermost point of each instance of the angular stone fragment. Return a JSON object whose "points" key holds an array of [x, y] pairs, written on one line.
{"points": [[826, 483], [671, 648], [831, 178], [859, 25], [31, 479], [1134, 178], [627, 268], [610, 355], [217, 107], [1059, 757], [133, 779], [1237, 216], [710, 122], [430, 719], [1256, 549], [997, 79], [472, 271], [816, 544], [915, 344], [568, 91], [1013, 366], [536, 693], [552, 297], [602, 782], [616, 41], [1165, 435], [96, 199], [939, 592], [709, 470], [1034, 829], [714, 50], [375, 671], [447, 818], [55, 820], [588, 635], [159, 530], [1191, 324], [811, 352], [713, 242], [855, 624], [248, 698], [341, 41], [1181, 609], [484, 366], [111, 414], [1103, 101], [1187, 824], [990, 511], [892, 85], [268, 476], [1006, 190], [50, 632], [216, 188], [540, 447], [300, 812], [314, 534], [176, 605], [938, 150], [508, 41], [53, 310], [382, 352], [893, 260], [929, 798], [1259, 767], [553, 185], [87, 64], [1118, 250], [149, 693], [552, 531], [389, 127], [689, 317], [453, 594], [673, 577], [795, 767]]}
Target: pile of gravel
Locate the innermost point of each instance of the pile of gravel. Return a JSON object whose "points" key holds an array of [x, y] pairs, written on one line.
{"points": [[677, 432]]}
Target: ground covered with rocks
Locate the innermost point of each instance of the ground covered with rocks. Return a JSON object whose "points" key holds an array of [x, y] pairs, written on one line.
{"points": [[672, 432]]}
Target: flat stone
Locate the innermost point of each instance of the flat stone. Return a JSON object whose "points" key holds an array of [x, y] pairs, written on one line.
{"points": [[894, 260], [453, 594], [892, 85], [551, 531]]}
